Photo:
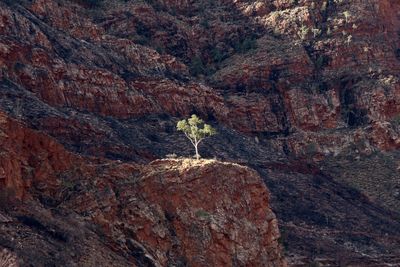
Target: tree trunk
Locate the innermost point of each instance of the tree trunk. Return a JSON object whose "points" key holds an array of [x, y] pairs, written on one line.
{"points": [[197, 152]]}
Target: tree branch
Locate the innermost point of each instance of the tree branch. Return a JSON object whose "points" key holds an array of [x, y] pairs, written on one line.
{"points": [[191, 141]]}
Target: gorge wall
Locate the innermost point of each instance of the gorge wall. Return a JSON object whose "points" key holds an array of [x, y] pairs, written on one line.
{"points": [[305, 92]]}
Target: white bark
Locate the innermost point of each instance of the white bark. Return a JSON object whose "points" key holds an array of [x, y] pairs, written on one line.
{"points": [[197, 152], [195, 143]]}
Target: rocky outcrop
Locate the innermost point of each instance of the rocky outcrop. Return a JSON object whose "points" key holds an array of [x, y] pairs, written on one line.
{"points": [[8, 259], [204, 213], [28, 159], [331, 69], [169, 212]]}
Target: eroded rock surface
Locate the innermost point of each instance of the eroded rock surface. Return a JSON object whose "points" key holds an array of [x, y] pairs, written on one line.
{"points": [[298, 90], [170, 212]]}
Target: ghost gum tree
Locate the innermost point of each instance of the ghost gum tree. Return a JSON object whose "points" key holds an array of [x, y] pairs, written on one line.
{"points": [[195, 130]]}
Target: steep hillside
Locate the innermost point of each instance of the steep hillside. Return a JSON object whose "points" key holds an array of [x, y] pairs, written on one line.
{"points": [[305, 92], [61, 209]]}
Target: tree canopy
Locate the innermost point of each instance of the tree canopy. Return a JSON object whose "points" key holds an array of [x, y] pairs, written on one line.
{"points": [[195, 130]]}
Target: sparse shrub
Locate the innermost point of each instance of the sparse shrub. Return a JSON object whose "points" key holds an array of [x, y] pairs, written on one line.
{"points": [[311, 148], [248, 44], [349, 39], [92, 3], [155, 4], [329, 31], [202, 214], [324, 6], [143, 30], [218, 56], [321, 61], [171, 156], [159, 48], [397, 53], [18, 66], [245, 45], [303, 32], [197, 66], [68, 184], [347, 15], [316, 32], [205, 23]]}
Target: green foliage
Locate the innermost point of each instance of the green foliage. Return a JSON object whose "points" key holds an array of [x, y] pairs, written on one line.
{"points": [[321, 61], [68, 184], [192, 128], [311, 148], [246, 44], [198, 66], [159, 48], [218, 56], [195, 130], [396, 120], [205, 23], [347, 15], [303, 32], [202, 214]]}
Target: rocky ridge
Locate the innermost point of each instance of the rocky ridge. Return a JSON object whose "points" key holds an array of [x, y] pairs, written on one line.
{"points": [[88, 212]]}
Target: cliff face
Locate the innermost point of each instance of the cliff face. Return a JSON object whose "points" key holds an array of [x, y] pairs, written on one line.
{"points": [[306, 92], [334, 66], [302, 71], [88, 212]]}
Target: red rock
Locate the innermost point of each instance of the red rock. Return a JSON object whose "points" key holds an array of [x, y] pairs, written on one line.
{"points": [[8, 259], [205, 204], [29, 158], [313, 98], [199, 212]]}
